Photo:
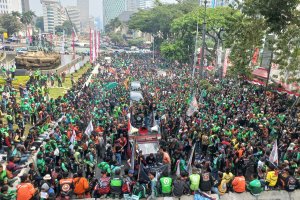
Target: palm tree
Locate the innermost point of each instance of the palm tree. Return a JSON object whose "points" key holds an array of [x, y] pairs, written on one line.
{"points": [[16, 14], [27, 18]]}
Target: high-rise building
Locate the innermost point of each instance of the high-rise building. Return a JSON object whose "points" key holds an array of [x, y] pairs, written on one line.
{"points": [[25, 5], [53, 13], [215, 3], [112, 9], [135, 5], [132, 5], [7, 6], [74, 14], [84, 7], [146, 4]]}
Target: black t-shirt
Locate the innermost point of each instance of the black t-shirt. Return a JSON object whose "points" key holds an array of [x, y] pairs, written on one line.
{"points": [[32, 174], [150, 161]]}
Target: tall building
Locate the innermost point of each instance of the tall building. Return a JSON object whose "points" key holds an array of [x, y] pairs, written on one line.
{"points": [[7, 6], [146, 4], [132, 5], [25, 5], [215, 3], [74, 14], [84, 7], [53, 14], [112, 9], [135, 5]]}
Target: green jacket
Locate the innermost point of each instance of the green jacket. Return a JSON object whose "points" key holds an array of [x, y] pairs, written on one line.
{"points": [[41, 165], [255, 187], [3, 176], [195, 182], [10, 195], [166, 185]]}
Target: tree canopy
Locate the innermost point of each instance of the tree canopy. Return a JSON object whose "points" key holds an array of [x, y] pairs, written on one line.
{"points": [[10, 23], [243, 28], [40, 23]]}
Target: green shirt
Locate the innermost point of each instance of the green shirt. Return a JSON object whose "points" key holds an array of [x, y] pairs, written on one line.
{"points": [[41, 165], [195, 181], [166, 185], [255, 187]]}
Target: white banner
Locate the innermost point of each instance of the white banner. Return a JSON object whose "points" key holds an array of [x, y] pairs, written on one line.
{"points": [[89, 129]]}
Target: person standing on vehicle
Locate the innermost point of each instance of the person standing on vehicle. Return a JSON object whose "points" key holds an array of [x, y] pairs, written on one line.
{"points": [[165, 158]]}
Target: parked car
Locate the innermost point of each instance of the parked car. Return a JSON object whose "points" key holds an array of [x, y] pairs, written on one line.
{"points": [[8, 48], [21, 50]]}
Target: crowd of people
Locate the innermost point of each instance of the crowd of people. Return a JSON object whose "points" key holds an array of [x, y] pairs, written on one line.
{"points": [[224, 146]]}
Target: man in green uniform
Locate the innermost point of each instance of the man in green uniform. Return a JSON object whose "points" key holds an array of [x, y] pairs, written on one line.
{"points": [[194, 180], [104, 166], [165, 184], [116, 185], [255, 186]]}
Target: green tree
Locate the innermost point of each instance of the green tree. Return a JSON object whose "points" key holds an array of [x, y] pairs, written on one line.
{"points": [[279, 18], [68, 27], [182, 44], [277, 13], [59, 29], [243, 40], [113, 25], [117, 38], [40, 23], [136, 42], [16, 14], [157, 21], [288, 54], [10, 23], [27, 17]]}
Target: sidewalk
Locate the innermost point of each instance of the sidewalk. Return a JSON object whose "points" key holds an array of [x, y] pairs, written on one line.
{"points": [[268, 195]]}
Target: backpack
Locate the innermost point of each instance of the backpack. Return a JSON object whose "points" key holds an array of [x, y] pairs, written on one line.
{"points": [[66, 189], [139, 190], [291, 184], [103, 187], [125, 188]]}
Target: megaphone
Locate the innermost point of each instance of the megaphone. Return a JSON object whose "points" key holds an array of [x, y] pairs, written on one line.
{"points": [[133, 130], [154, 128]]}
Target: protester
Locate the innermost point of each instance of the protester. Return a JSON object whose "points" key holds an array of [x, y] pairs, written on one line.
{"points": [[255, 186], [25, 190], [228, 139], [239, 183]]}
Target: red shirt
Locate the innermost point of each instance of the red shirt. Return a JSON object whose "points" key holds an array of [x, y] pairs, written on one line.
{"points": [[123, 141]]}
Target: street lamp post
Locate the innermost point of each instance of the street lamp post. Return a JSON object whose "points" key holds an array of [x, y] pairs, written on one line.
{"points": [[203, 41]]}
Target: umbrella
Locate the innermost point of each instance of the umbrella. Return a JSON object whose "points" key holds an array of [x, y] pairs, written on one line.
{"points": [[111, 85]]}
